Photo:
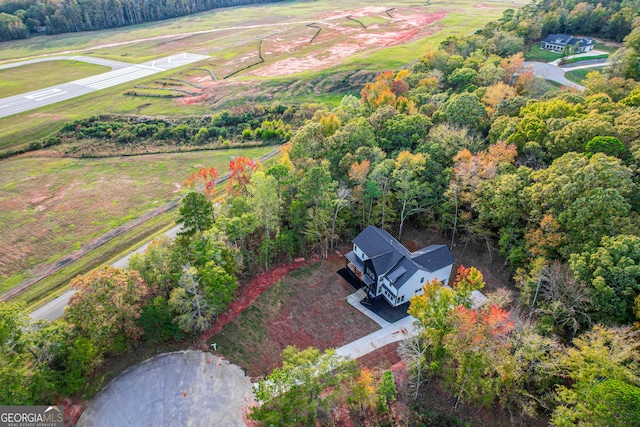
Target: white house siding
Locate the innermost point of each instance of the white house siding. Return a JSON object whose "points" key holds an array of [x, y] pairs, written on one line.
{"points": [[414, 285], [359, 253]]}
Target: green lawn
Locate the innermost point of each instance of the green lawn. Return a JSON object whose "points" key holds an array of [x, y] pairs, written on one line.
{"points": [[577, 76], [605, 48], [17, 80], [537, 54], [585, 58]]}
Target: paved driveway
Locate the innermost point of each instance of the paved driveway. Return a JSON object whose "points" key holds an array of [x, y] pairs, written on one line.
{"points": [[552, 72], [187, 388]]}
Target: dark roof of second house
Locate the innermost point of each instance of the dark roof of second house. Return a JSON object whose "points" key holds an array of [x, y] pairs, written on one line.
{"points": [[389, 257], [565, 40]]}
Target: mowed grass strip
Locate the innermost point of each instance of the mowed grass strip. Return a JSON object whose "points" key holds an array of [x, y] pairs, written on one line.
{"points": [[577, 76], [26, 78], [306, 308], [49, 207]]}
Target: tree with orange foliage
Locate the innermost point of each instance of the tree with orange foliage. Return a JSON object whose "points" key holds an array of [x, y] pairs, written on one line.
{"points": [[240, 170], [106, 307], [476, 349], [513, 67], [363, 392], [495, 94], [469, 171], [204, 181], [385, 90], [467, 280]]}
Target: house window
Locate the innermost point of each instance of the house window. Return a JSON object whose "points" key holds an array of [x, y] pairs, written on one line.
{"points": [[379, 289], [418, 290], [402, 298], [422, 280], [370, 273]]}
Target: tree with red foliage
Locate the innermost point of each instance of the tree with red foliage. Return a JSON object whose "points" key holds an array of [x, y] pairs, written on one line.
{"points": [[204, 181], [240, 170], [477, 350]]}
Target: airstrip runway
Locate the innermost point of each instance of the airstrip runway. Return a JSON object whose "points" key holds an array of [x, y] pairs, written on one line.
{"points": [[39, 98]]}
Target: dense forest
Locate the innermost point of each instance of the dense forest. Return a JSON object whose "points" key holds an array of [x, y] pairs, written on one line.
{"points": [[21, 18], [465, 141]]}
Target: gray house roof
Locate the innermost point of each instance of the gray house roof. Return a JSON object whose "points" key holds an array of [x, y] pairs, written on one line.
{"points": [[389, 257], [566, 40]]}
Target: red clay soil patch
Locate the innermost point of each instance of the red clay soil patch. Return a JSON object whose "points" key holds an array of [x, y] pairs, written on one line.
{"points": [[306, 308], [382, 359], [407, 24], [248, 294]]}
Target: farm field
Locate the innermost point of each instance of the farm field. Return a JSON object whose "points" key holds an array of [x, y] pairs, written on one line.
{"points": [[17, 80], [52, 206]]}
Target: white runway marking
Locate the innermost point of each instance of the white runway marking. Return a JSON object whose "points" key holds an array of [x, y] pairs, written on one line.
{"points": [[39, 96], [25, 102]]}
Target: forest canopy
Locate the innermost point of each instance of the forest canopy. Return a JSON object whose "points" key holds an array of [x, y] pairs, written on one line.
{"points": [[21, 18]]}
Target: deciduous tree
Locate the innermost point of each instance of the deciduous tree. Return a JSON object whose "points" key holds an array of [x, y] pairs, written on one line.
{"points": [[106, 307]]}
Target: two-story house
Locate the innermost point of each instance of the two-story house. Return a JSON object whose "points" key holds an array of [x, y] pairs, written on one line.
{"points": [[388, 269]]}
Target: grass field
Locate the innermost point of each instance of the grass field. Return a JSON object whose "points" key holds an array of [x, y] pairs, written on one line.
{"points": [[17, 80], [51, 206], [608, 47], [577, 76], [230, 37], [537, 54], [232, 22]]}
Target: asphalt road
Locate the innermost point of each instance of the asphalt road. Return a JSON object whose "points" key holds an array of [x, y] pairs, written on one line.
{"points": [[62, 92]]}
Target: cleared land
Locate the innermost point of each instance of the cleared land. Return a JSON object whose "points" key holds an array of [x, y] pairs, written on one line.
{"points": [[306, 308], [14, 81], [52, 206]]}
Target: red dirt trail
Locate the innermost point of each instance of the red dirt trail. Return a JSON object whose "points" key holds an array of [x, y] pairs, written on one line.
{"points": [[248, 294]]}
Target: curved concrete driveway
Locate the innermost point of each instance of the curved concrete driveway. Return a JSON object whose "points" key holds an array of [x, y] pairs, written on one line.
{"points": [[186, 388], [114, 65], [554, 73]]}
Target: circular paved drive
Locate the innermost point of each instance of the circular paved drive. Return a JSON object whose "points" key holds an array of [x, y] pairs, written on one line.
{"points": [[187, 388]]}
